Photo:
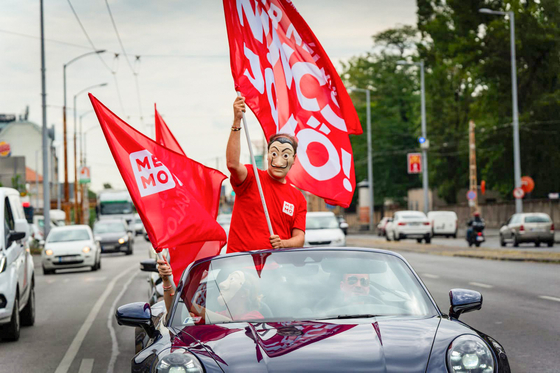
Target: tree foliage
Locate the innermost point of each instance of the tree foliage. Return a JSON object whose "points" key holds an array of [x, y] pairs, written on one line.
{"points": [[468, 77]]}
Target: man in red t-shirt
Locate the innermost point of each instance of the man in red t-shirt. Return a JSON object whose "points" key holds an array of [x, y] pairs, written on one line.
{"points": [[286, 205]]}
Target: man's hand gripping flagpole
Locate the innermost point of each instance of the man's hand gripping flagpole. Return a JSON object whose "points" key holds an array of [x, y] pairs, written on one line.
{"points": [[256, 172]]}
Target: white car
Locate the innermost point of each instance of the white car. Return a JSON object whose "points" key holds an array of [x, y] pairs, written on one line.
{"points": [[444, 223], [409, 224], [137, 225], [17, 276], [72, 246], [322, 229]]}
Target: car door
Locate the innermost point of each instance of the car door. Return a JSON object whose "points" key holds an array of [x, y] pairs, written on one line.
{"points": [[15, 250], [513, 225]]}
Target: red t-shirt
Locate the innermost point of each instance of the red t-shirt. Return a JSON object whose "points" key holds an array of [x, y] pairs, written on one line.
{"points": [[286, 207]]}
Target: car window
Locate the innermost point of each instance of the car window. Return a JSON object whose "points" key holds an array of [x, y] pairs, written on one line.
{"points": [[537, 219], [9, 224], [412, 216], [67, 235], [321, 222], [292, 285]]}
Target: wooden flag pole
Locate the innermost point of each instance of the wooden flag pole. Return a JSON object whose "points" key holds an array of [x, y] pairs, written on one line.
{"points": [[255, 170]]}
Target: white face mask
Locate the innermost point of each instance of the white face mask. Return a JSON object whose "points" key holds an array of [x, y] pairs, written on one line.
{"points": [[281, 158], [230, 287]]}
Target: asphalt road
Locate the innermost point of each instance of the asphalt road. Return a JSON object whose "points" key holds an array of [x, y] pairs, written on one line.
{"points": [[521, 303], [75, 328]]}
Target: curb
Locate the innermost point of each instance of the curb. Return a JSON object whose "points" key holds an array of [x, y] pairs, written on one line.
{"points": [[488, 254]]}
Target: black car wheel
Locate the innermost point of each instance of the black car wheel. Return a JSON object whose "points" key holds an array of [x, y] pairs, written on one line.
{"points": [[502, 242], [537, 243], [550, 243], [419, 240], [515, 241], [10, 331], [129, 251], [28, 313], [47, 272], [428, 239]]}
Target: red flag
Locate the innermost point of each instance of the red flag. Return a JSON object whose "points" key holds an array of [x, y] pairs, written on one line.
{"points": [[182, 256], [292, 87], [167, 188]]}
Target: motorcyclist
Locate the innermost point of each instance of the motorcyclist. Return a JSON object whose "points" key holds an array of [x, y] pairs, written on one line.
{"points": [[476, 224]]}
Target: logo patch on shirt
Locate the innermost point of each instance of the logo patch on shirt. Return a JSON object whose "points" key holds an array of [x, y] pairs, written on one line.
{"points": [[288, 209]]}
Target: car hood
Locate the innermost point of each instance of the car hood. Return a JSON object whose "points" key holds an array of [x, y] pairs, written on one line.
{"points": [[364, 345], [312, 235], [70, 247], [105, 237]]}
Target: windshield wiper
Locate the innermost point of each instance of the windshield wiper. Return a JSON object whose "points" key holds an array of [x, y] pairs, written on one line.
{"points": [[356, 316]]}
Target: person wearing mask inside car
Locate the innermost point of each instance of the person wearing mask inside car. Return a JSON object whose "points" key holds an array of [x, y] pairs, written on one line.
{"points": [[286, 205]]}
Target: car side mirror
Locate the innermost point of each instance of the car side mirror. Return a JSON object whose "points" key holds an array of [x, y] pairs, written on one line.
{"points": [[15, 236], [464, 300], [149, 265], [138, 314]]}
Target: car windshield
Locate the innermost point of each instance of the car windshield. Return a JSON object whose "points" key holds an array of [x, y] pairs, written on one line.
{"points": [[137, 221], [321, 222], [66, 235], [300, 285], [113, 227], [114, 208], [537, 219]]}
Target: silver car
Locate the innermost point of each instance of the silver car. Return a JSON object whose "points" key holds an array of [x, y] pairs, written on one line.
{"points": [[529, 227]]}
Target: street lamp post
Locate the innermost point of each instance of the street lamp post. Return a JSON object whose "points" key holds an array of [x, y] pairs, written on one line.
{"points": [[516, 146], [66, 188], [424, 148], [82, 137], [370, 166], [76, 204]]}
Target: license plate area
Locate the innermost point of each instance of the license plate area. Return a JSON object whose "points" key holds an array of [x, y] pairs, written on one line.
{"points": [[68, 258]]}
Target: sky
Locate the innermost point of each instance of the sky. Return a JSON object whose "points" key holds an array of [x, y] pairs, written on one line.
{"points": [[183, 66]]}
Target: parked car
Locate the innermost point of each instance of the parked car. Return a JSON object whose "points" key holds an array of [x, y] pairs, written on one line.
{"points": [[528, 227], [35, 238], [409, 224], [342, 223], [224, 220], [137, 225], [114, 236], [309, 310], [444, 223], [71, 246], [381, 226], [323, 229], [17, 274]]}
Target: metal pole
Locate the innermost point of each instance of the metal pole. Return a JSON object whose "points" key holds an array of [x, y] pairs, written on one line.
{"points": [[516, 150], [37, 178], [256, 172], [65, 136], [46, 189], [76, 205], [57, 182], [370, 161], [424, 150]]}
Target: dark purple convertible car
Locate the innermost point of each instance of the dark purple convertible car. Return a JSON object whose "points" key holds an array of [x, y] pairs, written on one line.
{"points": [[309, 310]]}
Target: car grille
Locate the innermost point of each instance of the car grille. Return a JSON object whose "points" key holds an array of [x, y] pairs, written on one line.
{"points": [[318, 243], [67, 259]]}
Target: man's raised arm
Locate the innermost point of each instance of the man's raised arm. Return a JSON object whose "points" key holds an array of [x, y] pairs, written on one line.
{"points": [[233, 150]]}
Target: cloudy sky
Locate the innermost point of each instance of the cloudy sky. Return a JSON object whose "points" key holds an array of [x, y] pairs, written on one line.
{"points": [[183, 65]]}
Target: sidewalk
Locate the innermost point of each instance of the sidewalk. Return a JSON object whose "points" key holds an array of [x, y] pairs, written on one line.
{"points": [[512, 254]]}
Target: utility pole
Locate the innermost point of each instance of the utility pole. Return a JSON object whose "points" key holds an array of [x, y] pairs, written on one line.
{"points": [[46, 189], [473, 184]]}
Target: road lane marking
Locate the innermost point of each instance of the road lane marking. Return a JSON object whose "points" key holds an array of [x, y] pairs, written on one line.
{"points": [[86, 366], [115, 343], [549, 298], [429, 275], [480, 285], [79, 338], [91, 279]]}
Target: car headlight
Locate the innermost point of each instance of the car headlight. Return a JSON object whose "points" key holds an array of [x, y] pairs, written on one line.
{"points": [[3, 262], [123, 240], [86, 249], [469, 353], [179, 361], [48, 252]]}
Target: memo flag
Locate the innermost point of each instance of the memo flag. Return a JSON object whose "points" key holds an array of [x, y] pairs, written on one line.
{"points": [[166, 187], [292, 87], [182, 256]]}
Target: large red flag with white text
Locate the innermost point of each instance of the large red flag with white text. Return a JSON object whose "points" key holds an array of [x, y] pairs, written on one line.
{"points": [[183, 255], [292, 87], [166, 187]]}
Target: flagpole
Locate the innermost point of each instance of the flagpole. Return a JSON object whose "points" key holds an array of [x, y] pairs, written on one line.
{"points": [[256, 172]]}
